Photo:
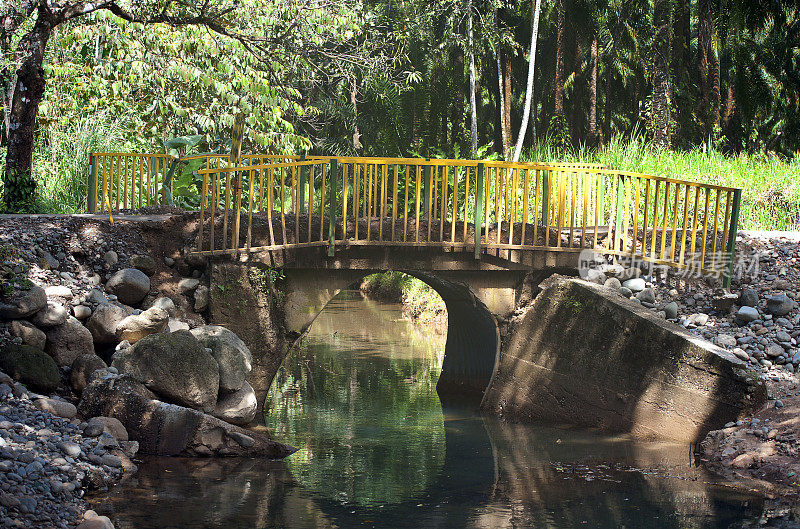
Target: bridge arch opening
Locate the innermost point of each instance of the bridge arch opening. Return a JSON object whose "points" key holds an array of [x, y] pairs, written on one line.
{"points": [[472, 342]]}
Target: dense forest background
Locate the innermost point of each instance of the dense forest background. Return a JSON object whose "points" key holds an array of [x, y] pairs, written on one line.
{"points": [[709, 88]]}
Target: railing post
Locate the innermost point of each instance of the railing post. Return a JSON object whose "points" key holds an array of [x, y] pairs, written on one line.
{"points": [[480, 191], [426, 185], [334, 176], [301, 186], [732, 233], [91, 198], [545, 199], [619, 208]]}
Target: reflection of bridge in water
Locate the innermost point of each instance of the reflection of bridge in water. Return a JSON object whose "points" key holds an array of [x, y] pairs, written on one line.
{"points": [[495, 475]]}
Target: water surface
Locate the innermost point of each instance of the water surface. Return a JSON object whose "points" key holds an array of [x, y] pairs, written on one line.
{"points": [[377, 449]]}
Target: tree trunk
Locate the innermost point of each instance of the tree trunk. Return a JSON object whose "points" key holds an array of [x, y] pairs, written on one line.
{"points": [[705, 33], [507, 106], [501, 108], [28, 90], [715, 89], [593, 94], [661, 116], [558, 109], [473, 108], [526, 113], [354, 101]]}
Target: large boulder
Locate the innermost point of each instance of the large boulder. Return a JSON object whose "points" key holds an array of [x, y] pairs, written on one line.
{"points": [[82, 369], [28, 333], [104, 321], [238, 407], [23, 303], [137, 326], [230, 352], [175, 366], [584, 356], [68, 341], [161, 302], [167, 429], [51, 315], [31, 366], [129, 285]]}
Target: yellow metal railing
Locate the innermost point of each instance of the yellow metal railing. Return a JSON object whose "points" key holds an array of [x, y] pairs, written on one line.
{"points": [[271, 202]]}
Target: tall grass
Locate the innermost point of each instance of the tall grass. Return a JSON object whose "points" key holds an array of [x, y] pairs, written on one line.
{"points": [[770, 184], [61, 159]]}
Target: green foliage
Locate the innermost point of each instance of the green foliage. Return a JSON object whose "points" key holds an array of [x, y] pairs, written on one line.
{"points": [[265, 279]]}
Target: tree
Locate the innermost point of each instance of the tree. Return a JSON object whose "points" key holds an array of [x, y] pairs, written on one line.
{"points": [[473, 110], [535, 10], [662, 91]]}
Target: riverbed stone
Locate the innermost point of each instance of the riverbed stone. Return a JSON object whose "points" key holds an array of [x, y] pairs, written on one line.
{"points": [[168, 429], [112, 426], [31, 366], [82, 369], [635, 284], [23, 303], [57, 407], [232, 355], [103, 322], [646, 296], [748, 298], [175, 366], [780, 305], [613, 283], [58, 291], [746, 314], [201, 298], [129, 285], [81, 312], [68, 341], [188, 284], [97, 522], [51, 315], [137, 326], [162, 302], [145, 263], [29, 333], [238, 407], [670, 310]]}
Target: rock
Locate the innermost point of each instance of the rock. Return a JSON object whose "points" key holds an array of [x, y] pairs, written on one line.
{"points": [[230, 352], [175, 366], [47, 261], [773, 350], [746, 314], [613, 283], [168, 429], [58, 291], [111, 258], [698, 319], [29, 334], [238, 407], [96, 297], [780, 305], [741, 354], [201, 298], [783, 336], [104, 321], [169, 261], [96, 522], [129, 285], [163, 303], [594, 276], [70, 449], [51, 315], [145, 263], [670, 310], [59, 408], [724, 302], [625, 292], [135, 327], [111, 426], [187, 284], [748, 298], [177, 325], [725, 340], [23, 303], [635, 284], [30, 366], [646, 296], [81, 312], [82, 369]]}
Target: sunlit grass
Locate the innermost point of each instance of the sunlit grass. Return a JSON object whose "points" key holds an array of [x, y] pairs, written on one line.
{"points": [[770, 184]]}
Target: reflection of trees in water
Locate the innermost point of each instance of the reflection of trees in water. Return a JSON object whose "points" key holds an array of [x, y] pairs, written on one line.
{"points": [[360, 402]]}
